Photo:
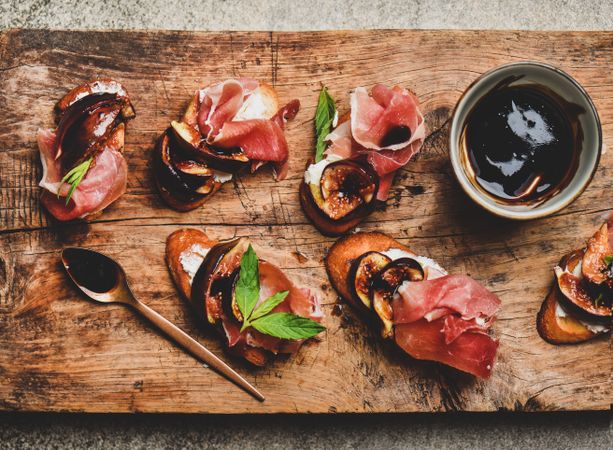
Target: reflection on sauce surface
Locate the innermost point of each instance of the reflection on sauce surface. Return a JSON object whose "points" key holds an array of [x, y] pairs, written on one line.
{"points": [[91, 270], [520, 144]]}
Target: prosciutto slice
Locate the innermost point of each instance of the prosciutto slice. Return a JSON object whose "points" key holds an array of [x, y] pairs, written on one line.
{"points": [[471, 352], [446, 320], [104, 182], [299, 301], [235, 114], [385, 119], [385, 127], [91, 127], [220, 102]]}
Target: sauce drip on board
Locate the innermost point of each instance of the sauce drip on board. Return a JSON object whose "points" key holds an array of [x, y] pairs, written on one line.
{"points": [[520, 144], [91, 270]]}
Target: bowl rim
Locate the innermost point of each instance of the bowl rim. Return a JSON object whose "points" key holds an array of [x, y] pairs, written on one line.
{"points": [[472, 191]]}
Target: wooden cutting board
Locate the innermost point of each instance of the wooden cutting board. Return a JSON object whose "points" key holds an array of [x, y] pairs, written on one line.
{"points": [[59, 352]]}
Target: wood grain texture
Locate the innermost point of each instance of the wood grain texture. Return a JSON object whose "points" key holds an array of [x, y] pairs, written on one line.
{"points": [[59, 352]]}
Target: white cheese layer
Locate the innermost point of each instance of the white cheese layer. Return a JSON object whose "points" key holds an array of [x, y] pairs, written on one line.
{"points": [[222, 177], [191, 260], [560, 311], [595, 328], [313, 173]]}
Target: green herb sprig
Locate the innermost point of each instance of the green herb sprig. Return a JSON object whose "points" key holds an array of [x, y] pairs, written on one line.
{"points": [[281, 325], [324, 117], [75, 176], [608, 260]]}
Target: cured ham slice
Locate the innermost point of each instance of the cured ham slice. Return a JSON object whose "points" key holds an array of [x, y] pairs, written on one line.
{"points": [[470, 352], [385, 119], [220, 102], [429, 314], [104, 183], [227, 128], [385, 127], [244, 114], [446, 319], [91, 128], [458, 293]]}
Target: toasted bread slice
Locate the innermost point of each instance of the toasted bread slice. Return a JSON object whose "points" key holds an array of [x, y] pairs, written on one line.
{"points": [[556, 328], [263, 103], [181, 205], [181, 244], [346, 250], [187, 244]]}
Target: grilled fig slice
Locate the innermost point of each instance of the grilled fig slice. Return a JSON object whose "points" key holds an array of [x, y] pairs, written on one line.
{"points": [[364, 270], [385, 285], [88, 116], [86, 135], [102, 87], [256, 356], [576, 291], [196, 168], [556, 326], [323, 223], [342, 199], [341, 256], [187, 137], [231, 160], [84, 127], [214, 280], [594, 268], [344, 187], [179, 188], [232, 307]]}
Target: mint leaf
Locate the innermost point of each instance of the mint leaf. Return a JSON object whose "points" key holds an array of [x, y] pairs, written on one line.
{"points": [[287, 326], [324, 116], [280, 325], [248, 285], [268, 305], [75, 176]]}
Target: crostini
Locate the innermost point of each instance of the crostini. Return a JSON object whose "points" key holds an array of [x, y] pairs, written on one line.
{"points": [[579, 306], [429, 314], [357, 156], [84, 170], [251, 302], [228, 127]]}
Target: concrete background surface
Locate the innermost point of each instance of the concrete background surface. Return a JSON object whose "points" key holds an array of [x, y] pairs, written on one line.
{"points": [[458, 431]]}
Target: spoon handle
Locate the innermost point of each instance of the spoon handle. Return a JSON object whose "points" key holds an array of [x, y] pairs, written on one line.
{"points": [[195, 348]]}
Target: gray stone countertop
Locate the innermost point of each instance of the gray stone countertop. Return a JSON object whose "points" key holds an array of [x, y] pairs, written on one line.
{"points": [[458, 431]]}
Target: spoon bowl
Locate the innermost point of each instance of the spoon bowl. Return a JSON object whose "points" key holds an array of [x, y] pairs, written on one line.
{"points": [[102, 279], [114, 290]]}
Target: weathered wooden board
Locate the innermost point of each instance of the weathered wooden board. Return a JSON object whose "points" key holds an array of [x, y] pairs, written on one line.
{"points": [[61, 352]]}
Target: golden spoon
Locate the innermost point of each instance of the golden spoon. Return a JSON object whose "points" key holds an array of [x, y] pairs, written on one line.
{"points": [[102, 279]]}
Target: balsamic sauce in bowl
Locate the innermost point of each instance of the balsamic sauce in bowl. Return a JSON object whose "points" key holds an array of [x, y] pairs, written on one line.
{"points": [[525, 140], [520, 144]]}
